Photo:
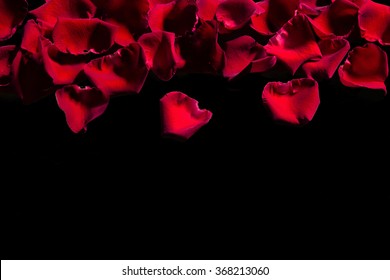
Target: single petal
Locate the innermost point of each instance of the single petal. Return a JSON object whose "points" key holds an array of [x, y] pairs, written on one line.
{"points": [[279, 12], [6, 56], [338, 19], [160, 53], [374, 22], [201, 51], [131, 13], [294, 43], [30, 40], [178, 16], [241, 52], [294, 102], [12, 14], [259, 20], [358, 3], [62, 67], [366, 67], [312, 8], [81, 105], [125, 71], [181, 116], [333, 52], [207, 8], [234, 14], [54, 9]]}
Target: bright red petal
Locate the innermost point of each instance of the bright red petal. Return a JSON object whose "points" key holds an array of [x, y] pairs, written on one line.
{"points": [[54, 9], [338, 19], [374, 22], [6, 55], [294, 102], [12, 14], [159, 48], [333, 52], [365, 66], [294, 43], [234, 14], [259, 20], [122, 72], [81, 105], [178, 16], [30, 41], [62, 67], [181, 116], [207, 8]]}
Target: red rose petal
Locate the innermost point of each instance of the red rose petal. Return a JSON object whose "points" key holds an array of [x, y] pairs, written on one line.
{"points": [[365, 66], [31, 34], [338, 19], [234, 14], [333, 52], [80, 36], [201, 51], [12, 14], [259, 19], [122, 72], [131, 13], [5, 64], [81, 105], [207, 8], [294, 43], [374, 22], [294, 102], [279, 12], [241, 52], [53, 9], [160, 53], [358, 3], [181, 116], [62, 67], [178, 16]]}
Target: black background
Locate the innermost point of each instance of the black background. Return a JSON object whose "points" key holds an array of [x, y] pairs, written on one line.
{"points": [[242, 187]]}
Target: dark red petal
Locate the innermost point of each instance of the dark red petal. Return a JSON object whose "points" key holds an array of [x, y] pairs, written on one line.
{"points": [[241, 52], [374, 22], [81, 105], [29, 78], [62, 67], [160, 53], [53, 9], [333, 52], [30, 41], [294, 43], [5, 64], [122, 72], [201, 51], [12, 13], [233, 14], [279, 12], [294, 102], [259, 19], [131, 13], [365, 66], [181, 116], [207, 8], [80, 36], [153, 3], [312, 8], [338, 19], [178, 16], [358, 3]]}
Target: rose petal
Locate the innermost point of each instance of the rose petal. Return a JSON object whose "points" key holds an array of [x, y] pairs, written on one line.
{"points": [[12, 14], [62, 67], [259, 19], [6, 55], [122, 72], [366, 67], [201, 51], [178, 16], [240, 53], [234, 14], [207, 8], [338, 19], [312, 8], [374, 22], [181, 116], [279, 12], [53, 9], [131, 13], [294, 102], [81, 105], [294, 43], [333, 52], [31, 34], [358, 3], [80, 36], [160, 53]]}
